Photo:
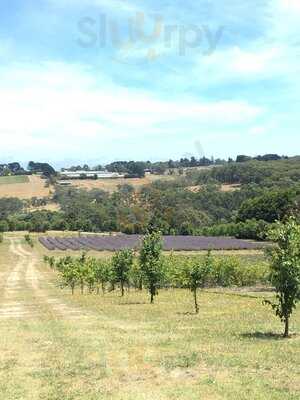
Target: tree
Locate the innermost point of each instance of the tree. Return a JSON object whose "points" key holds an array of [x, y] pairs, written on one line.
{"points": [[10, 206], [90, 275], [68, 268], [121, 264], [44, 168], [83, 270], [151, 262], [198, 275], [4, 227], [102, 274], [285, 269], [242, 158], [271, 206]]}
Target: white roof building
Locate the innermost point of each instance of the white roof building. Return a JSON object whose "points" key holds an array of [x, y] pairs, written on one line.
{"points": [[90, 174]]}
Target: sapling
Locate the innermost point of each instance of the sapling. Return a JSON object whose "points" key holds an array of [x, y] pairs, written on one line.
{"points": [[199, 275], [122, 262], [285, 269], [151, 262]]}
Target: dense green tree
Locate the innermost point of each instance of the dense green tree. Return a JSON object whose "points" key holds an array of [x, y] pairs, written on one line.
{"points": [[271, 206]]}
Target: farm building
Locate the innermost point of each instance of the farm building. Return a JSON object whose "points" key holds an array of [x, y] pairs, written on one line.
{"points": [[90, 175]]}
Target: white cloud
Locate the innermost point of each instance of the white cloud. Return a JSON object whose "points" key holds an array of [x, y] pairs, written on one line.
{"points": [[290, 5], [62, 106], [58, 111]]}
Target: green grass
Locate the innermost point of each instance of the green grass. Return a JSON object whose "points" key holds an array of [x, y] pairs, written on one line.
{"points": [[124, 348], [9, 180]]}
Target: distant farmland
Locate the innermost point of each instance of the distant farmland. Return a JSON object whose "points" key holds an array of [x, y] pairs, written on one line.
{"points": [[23, 187], [118, 242], [111, 185], [12, 180]]}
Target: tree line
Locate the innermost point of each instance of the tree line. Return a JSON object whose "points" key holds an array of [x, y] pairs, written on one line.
{"points": [[171, 207]]}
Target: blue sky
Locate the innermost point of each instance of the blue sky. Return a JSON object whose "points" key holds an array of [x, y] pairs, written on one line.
{"points": [[100, 80]]}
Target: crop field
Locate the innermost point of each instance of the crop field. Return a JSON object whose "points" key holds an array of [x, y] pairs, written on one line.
{"points": [[57, 346], [23, 187], [176, 243], [111, 185]]}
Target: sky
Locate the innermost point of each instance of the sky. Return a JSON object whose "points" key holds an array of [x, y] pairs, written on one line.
{"points": [[102, 80]]}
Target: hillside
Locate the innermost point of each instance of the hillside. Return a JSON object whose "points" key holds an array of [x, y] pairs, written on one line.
{"points": [[111, 185], [23, 187]]}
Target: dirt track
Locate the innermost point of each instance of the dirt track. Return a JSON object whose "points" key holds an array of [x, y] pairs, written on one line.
{"points": [[26, 292]]}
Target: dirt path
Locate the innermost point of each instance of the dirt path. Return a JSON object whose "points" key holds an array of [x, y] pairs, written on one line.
{"points": [[12, 305], [25, 291]]}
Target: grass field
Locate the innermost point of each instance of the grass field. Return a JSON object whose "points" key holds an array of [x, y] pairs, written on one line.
{"points": [[111, 185], [11, 180], [23, 187], [57, 347]]}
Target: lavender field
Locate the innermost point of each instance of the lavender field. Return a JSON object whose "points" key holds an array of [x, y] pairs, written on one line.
{"points": [[176, 243]]}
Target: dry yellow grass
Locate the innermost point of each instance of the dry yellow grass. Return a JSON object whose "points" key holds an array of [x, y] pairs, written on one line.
{"points": [[48, 207], [224, 188], [230, 188], [34, 188], [111, 185]]}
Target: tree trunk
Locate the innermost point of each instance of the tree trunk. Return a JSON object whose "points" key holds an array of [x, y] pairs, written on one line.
{"points": [[196, 302], [72, 288], [122, 289], [286, 327], [141, 284], [152, 298]]}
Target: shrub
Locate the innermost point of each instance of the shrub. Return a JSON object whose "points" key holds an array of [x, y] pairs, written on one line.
{"points": [[29, 240]]}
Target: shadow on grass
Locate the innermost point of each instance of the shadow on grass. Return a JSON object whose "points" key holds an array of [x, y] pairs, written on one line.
{"points": [[263, 335], [187, 313]]}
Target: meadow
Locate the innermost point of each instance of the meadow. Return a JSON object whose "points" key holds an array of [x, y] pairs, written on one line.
{"points": [[23, 187], [11, 180], [58, 346]]}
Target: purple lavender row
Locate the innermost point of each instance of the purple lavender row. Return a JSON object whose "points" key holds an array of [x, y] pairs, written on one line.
{"points": [[46, 243], [113, 243]]}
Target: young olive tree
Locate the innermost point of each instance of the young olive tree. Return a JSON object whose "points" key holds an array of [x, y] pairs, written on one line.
{"points": [[285, 269], [122, 262], [199, 274], [69, 272], [90, 276], [103, 273], [151, 262], [82, 270]]}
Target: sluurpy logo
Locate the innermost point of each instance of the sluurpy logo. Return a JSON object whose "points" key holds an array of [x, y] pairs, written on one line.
{"points": [[142, 38]]}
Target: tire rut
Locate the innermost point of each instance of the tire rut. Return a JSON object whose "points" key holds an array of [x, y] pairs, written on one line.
{"points": [[25, 281]]}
